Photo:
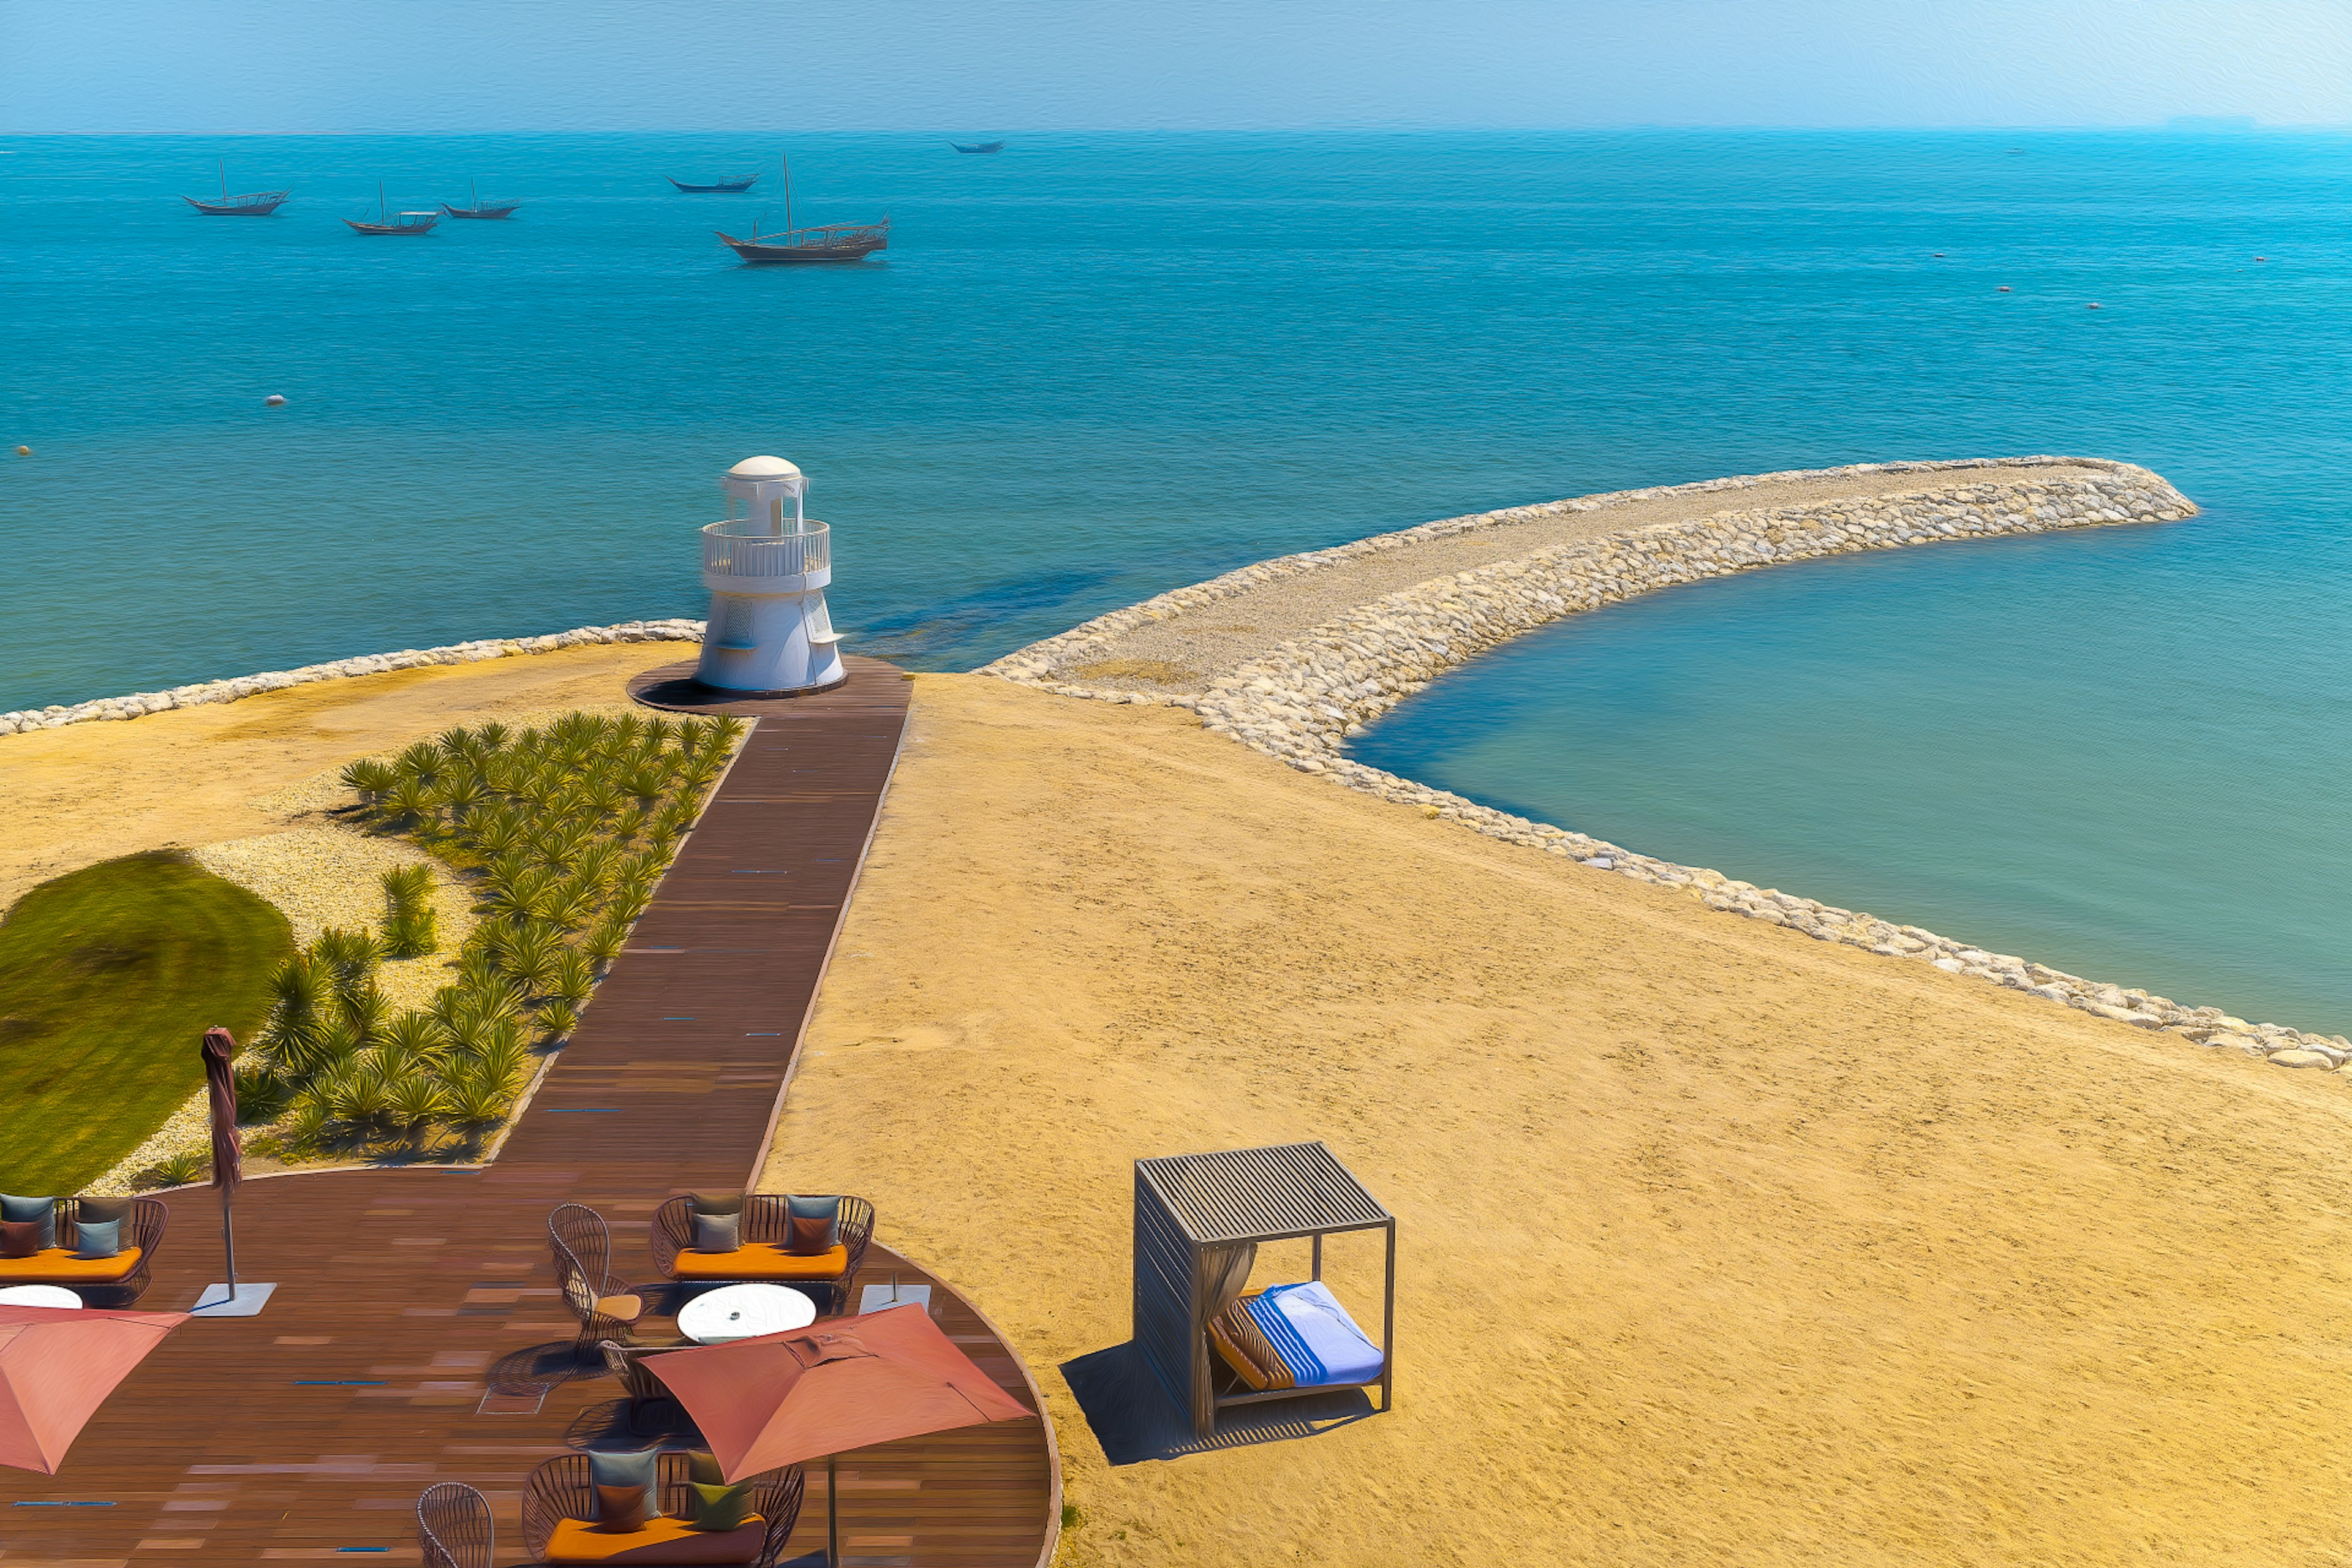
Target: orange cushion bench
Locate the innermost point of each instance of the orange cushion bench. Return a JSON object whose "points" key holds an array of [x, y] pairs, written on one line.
{"points": [[761, 1261], [59, 1265], [662, 1540]]}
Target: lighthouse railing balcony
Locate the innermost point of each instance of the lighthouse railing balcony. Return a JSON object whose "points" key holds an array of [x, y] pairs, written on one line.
{"points": [[750, 547]]}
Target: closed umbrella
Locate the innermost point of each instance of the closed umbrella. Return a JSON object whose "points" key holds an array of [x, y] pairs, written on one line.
{"points": [[57, 1365], [781, 1399], [232, 1299]]}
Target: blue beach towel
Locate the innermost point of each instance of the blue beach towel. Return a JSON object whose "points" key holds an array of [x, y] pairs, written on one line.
{"points": [[1314, 1335]]}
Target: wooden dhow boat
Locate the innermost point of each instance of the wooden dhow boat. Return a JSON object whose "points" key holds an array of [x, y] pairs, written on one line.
{"points": [[389, 222], [717, 187], [476, 208], [828, 242], [831, 242], [255, 204]]}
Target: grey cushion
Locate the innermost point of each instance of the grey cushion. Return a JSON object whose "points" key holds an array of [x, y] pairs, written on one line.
{"points": [[718, 1232], [825, 1209], [642, 1471], [99, 1237], [42, 1212]]}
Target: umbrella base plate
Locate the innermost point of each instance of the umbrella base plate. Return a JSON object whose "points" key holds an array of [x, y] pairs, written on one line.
{"points": [[220, 1301]]}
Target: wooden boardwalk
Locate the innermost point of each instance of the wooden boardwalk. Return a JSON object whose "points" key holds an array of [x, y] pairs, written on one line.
{"points": [[417, 1334]]}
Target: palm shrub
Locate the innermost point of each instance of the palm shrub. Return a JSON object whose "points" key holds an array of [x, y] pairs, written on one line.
{"points": [[418, 1100], [262, 1095], [564, 833], [306, 1127], [369, 779]]}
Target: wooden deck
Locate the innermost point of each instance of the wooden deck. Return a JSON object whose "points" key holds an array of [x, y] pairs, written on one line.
{"points": [[417, 1334]]}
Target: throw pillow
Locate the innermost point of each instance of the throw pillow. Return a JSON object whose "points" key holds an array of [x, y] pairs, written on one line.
{"points": [[42, 1212], [715, 1203], [816, 1225], [103, 1209], [718, 1508], [100, 1239], [641, 1471], [621, 1509], [718, 1232], [19, 1239], [702, 1467]]}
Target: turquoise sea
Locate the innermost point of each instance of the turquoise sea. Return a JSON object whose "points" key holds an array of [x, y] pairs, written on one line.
{"points": [[1092, 368]]}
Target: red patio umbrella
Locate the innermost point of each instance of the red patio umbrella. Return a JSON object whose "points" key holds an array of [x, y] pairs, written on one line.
{"points": [[848, 1383], [57, 1365]]}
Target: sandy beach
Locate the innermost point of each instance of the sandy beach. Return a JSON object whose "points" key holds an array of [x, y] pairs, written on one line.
{"points": [[1717, 1244], [234, 771]]}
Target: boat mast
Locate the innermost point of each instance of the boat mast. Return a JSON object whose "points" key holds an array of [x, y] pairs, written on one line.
{"points": [[786, 161], [224, 168]]}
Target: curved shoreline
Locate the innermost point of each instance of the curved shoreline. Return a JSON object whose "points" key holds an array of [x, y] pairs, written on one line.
{"points": [[1302, 700]]}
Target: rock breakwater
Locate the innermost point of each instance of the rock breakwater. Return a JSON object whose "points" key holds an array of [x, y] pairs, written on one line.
{"points": [[1301, 701]]}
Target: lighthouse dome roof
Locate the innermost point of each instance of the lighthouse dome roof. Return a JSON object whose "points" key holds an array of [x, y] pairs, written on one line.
{"points": [[764, 468]]}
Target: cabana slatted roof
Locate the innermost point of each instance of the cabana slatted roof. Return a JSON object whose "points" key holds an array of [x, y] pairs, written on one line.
{"points": [[1260, 1194]]}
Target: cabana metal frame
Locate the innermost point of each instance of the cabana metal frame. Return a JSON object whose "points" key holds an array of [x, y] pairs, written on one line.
{"points": [[1199, 1220]]}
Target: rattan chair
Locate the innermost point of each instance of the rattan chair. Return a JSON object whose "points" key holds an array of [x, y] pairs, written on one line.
{"points": [[607, 1306], [627, 1363], [767, 1217], [144, 1231], [453, 1527], [563, 1488]]}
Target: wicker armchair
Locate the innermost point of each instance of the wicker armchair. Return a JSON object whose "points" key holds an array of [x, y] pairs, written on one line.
{"points": [[767, 1218], [561, 1489], [453, 1527], [607, 1306], [627, 1363], [144, 1231]]}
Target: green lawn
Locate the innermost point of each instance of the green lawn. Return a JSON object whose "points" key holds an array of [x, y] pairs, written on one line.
{"points": [[109, 977]]}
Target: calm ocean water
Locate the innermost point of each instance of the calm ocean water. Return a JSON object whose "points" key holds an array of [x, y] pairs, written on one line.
{"points": [[1093, 368]]}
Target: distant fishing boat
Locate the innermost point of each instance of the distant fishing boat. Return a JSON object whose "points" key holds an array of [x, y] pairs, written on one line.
{"points": [[831, 242], [720, 188], [978, 146], [258, 204], [389, 222], [478, 207]]}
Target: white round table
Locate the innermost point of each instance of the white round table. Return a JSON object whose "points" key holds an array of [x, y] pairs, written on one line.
{"points": [[39, 1295], [741, 1311]]}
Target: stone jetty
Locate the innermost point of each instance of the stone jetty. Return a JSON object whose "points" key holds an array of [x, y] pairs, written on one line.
{"points": [[1302, 698]]}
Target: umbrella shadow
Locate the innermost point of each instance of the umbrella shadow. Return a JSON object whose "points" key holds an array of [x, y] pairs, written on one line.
{"points": [[627, 1424], [1135, 1419]]}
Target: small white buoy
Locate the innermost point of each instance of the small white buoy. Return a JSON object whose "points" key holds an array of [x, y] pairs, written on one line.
{"points": [[2004, 287], [1939, 256], [276, 400], [2092, 306]]}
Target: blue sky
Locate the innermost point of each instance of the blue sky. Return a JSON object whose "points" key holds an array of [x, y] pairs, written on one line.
{"points": [[215, 66]]}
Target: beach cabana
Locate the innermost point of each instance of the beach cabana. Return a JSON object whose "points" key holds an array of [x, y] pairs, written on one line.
{"points": [[1199, 1220]]}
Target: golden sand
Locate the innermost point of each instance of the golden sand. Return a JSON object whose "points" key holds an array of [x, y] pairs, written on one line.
{"points": [[1718, 1245], [193, 777]]}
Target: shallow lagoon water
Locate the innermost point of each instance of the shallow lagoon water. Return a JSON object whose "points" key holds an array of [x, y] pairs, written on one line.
{"points": [[1094, 368], [2036, 745]]}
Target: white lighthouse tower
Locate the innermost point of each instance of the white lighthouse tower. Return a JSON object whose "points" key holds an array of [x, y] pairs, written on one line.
{"points": [[766, 571]]}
